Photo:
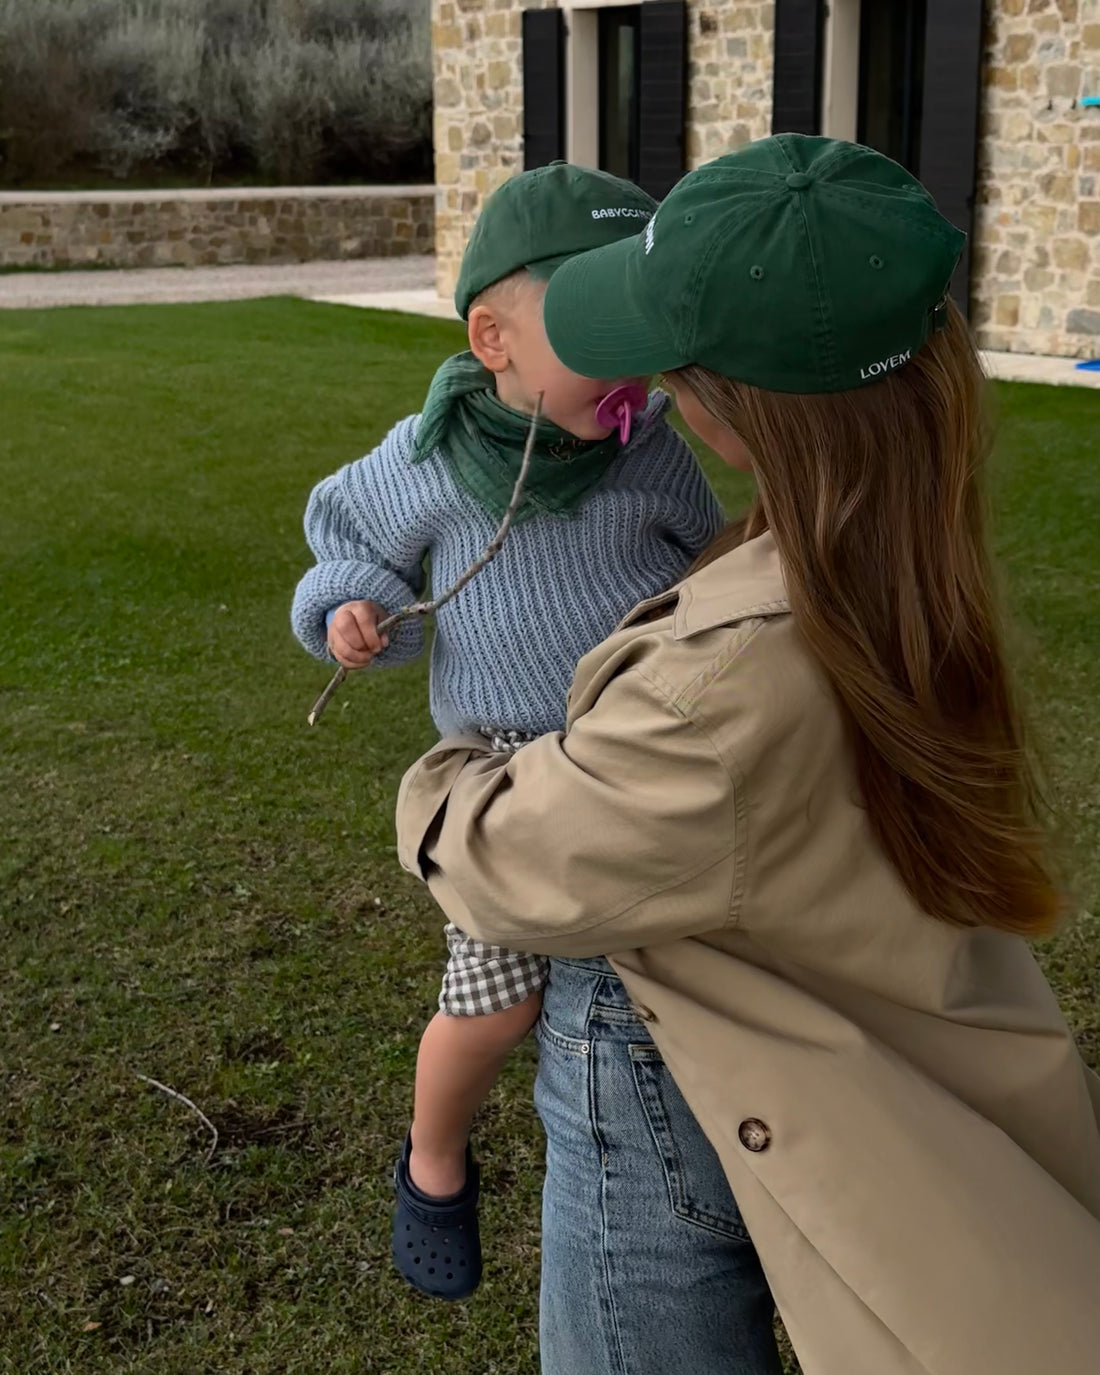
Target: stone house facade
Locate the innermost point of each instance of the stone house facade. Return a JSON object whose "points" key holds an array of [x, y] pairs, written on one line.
{"points": [[988, 101]]}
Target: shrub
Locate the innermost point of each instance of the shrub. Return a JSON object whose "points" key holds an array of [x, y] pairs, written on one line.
{"points": [[291, 90], [150, 64]]}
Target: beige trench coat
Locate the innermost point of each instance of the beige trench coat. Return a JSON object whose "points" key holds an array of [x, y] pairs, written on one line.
{"points": [[898, 1105]]}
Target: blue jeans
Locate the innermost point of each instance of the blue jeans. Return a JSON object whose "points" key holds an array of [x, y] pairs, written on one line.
{"points": [[647, 1268]]}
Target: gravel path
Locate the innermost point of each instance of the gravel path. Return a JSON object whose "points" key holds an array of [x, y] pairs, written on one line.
{"points": [[382, 283], [136, 286]]}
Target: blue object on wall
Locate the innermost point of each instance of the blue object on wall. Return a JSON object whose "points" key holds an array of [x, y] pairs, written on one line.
{"points": [[1091, 364]]}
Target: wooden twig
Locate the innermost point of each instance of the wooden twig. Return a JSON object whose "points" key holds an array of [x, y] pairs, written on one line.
{"points": [[179, 1097], [326, 696], [492, 549]]}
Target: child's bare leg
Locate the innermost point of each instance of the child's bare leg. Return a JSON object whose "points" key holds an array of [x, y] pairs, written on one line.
{"points": [[459, 1060]]}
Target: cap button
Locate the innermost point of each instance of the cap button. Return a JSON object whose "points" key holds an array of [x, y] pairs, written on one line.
{"points": [[798, 181]]}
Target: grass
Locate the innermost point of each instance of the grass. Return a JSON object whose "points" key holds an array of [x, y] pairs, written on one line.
{"points": [[195, 887]]}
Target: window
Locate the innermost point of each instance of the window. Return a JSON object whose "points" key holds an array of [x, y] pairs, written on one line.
{"points": [[619, 90], [613, 93], [891, 78], [903, 76]]}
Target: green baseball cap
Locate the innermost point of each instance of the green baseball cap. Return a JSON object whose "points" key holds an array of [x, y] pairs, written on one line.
{"points": [[796, 264], [541, 218]]}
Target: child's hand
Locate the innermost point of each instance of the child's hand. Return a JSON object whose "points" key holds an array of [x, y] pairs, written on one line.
{"points": [[353, 637]]}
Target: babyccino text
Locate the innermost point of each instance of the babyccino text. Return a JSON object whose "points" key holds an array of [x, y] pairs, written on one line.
{"points": [[628, 212]]}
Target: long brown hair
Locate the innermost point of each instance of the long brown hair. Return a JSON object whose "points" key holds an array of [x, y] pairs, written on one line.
{"points": [[875, 499]]}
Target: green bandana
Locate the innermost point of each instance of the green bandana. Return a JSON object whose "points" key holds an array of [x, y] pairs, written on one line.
{"points": [[482, 440]]}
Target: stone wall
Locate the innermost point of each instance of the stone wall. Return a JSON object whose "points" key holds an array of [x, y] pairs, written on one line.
{"points": [[1036, 277], [196, 228], [729, 76], [478, 120], [478, 47]]}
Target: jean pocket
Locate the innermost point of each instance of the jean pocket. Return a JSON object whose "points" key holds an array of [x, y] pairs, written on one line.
{"points": [[546, 1035], [698, 1190]]}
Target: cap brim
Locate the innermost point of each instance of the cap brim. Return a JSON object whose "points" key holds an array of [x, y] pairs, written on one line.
{"points": [[545, 268], [595, 323]]}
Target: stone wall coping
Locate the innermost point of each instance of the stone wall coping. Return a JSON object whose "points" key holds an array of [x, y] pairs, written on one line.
{"points": [[216, 193]]}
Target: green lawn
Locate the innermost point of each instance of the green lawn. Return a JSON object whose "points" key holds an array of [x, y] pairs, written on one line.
{"points": [[196, 887]]}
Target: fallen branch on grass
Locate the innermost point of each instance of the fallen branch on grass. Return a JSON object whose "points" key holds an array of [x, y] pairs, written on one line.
{"points": [[179, 1097]]}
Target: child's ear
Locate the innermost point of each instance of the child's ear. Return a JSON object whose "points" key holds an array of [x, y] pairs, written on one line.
{"points": [[486, 342]]}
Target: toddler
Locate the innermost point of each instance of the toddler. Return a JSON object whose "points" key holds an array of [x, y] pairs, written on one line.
{"points": [[603, 524]]}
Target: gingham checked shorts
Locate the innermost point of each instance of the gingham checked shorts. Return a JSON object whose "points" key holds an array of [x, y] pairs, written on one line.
{"points": [[482, 978]]}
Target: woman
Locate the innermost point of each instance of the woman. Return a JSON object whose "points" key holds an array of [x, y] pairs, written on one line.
{"points": [[793, 808]]}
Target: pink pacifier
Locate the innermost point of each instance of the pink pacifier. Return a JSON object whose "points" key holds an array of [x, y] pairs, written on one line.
{"points": [[618, 408]]}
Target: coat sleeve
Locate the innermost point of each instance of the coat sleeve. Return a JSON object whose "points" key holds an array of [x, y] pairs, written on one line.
{"points": [[367, 527], [619, 834]]}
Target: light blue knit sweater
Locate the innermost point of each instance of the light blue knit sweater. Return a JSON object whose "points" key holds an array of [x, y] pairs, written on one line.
{"points": [[505, 648]]}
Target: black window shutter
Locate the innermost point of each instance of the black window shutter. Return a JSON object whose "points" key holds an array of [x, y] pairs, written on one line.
{"points": [[799, 44], [949, 127], [543, 87], [662, 94]]}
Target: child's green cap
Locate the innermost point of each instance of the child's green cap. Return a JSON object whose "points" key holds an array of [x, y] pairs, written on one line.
{"points": [[796, 264], [541, 218]]}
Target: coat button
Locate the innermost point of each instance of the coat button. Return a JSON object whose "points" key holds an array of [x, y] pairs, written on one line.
{"points": [[755, 1135], [644, 1014]]}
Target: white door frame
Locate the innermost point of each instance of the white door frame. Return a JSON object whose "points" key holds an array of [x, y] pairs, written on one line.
{"points": [[582, 83], [840, 84], [582, 78]]}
